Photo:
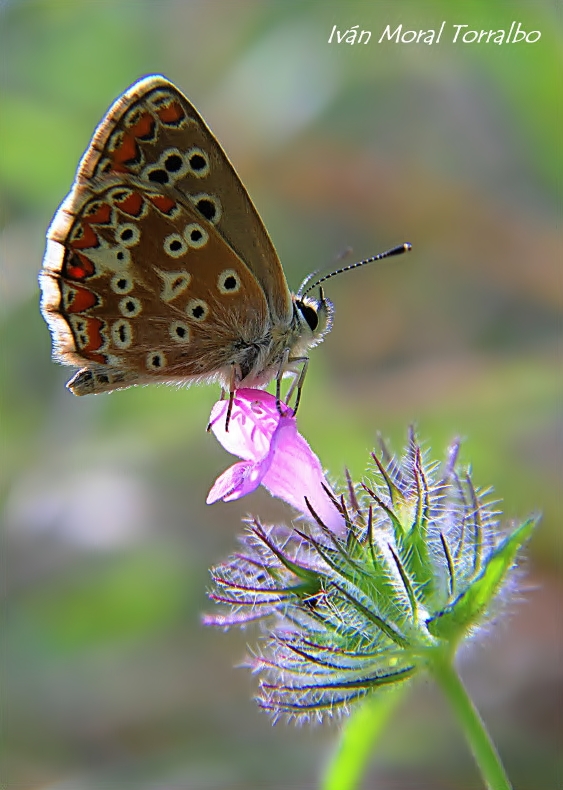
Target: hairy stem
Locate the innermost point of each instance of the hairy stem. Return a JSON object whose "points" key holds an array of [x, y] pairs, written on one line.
{"points": [[359, 735], [480, 743]]}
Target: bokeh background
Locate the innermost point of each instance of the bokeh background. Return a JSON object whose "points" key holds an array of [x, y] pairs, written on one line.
{"points": [[109, 679]]}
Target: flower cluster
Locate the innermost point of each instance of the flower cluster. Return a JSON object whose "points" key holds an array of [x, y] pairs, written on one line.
{"points": [[384, 579]]}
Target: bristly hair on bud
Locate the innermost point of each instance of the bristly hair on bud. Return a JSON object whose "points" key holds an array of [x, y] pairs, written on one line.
{"points": [[348, 612]]}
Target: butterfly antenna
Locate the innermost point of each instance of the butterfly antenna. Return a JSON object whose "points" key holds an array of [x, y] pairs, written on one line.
{"points": [[342, 256], [399, 250]]}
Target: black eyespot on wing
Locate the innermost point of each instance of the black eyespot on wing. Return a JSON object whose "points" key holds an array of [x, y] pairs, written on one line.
{"points": [[197, 162], [158, 176], [198, 311], [196, 235], [309, 314], [230, 283], [207, 208], [173, 163]]}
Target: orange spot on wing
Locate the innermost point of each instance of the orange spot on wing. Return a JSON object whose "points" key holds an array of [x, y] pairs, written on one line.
{"points": [[101, 358], [131, 205], [144, 126], [162, 203], [82, 300], [128, 151], [171, 113], [101, 216], [78, 267], [87, 240], [95, 339]]}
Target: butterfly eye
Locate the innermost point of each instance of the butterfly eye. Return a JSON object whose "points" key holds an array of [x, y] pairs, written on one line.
{"points": [[309, 314]]}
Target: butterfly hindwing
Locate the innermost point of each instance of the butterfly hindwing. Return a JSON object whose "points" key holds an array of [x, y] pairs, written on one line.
{"points": [[135, 280]]}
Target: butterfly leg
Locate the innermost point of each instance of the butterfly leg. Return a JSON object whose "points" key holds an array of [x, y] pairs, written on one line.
{"points": [[282, 367], [229, 407], [298, 381], [232, 391]]}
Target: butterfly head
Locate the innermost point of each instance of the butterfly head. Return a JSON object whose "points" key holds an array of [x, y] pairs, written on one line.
{"points": [[314, 317]]}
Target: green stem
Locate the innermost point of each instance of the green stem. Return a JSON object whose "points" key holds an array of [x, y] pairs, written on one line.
{"points": [[361, 731], [481, 745]]}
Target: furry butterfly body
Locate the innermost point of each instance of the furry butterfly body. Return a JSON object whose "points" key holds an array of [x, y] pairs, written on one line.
{"points": [[158, 267]]}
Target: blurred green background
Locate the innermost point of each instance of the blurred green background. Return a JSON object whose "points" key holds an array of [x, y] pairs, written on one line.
{"points": [[109, 679]]}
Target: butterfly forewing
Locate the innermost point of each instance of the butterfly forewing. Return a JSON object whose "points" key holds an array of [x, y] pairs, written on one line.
{"points": [[155, 134]]}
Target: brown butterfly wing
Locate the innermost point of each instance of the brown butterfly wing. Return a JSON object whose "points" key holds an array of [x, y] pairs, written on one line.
{"points": [[155, 134], [138, 286]]}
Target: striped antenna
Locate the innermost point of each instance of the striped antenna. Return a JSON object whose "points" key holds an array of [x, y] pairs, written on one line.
{"points": [[399, 250]]}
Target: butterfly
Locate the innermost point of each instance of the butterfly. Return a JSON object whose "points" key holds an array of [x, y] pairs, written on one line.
{"points": [[158, 267]]}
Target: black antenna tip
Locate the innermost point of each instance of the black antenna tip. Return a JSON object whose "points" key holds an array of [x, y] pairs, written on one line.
{"points": [[398, 250]]}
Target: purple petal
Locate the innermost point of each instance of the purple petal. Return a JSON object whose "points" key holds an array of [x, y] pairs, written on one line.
{"points": [[274, 453], [238, 480], [295, 472], [254, 419]]}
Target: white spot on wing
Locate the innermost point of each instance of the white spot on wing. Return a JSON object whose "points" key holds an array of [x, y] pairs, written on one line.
{"points": [[197, 310], [179, 332], [122, 333], [130, 306], [173, 284], [196, 235]]}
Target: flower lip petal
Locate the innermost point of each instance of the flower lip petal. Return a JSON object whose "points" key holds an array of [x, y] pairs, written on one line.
{"points": [[237, 481]]}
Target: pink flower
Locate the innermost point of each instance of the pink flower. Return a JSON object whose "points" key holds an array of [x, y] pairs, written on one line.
{"points": [[273, 454]]}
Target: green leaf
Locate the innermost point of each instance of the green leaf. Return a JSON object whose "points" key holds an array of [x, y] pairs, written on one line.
{"points": [[452, 622]]}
